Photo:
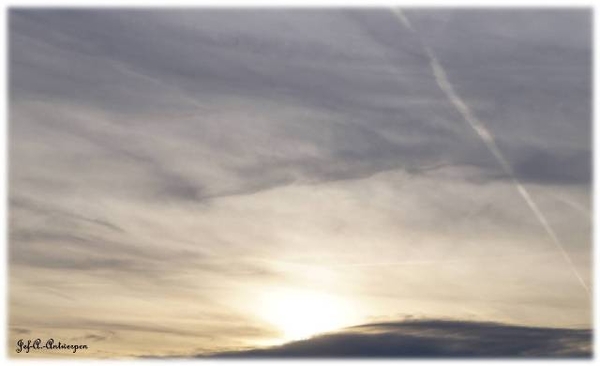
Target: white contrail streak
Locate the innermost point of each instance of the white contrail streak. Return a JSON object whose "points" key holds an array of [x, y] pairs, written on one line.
{"points": [[487, 137]]}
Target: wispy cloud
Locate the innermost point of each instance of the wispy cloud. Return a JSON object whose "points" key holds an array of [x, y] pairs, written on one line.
{"points": [[176, 165], [490, 142]]}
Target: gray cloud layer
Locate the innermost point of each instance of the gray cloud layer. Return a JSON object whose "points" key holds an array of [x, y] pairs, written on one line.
{"points": [[365, 121]]}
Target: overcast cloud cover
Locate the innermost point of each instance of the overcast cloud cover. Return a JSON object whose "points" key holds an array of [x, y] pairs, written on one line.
{"points": [[171, 168]]}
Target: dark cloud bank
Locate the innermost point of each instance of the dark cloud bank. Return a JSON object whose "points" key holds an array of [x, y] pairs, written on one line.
{"points": [[435, 338]]}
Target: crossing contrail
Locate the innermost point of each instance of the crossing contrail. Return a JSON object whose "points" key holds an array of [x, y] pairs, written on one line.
{"points": [[489, 141]]}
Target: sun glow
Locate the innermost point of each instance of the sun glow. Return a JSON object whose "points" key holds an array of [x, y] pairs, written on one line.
{"points": [[300, 314]]}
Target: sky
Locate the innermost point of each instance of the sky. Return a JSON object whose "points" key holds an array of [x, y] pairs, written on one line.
{"points": [[189, 182]]}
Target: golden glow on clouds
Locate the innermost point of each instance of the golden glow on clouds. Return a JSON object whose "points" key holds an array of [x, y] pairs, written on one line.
{"points": [[300, 314]]}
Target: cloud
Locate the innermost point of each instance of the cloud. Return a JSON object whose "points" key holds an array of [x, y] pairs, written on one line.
{"points": [[171, 163], [434, 338], [324, 123]]}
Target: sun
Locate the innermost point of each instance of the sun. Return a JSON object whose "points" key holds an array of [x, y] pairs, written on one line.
{"points": [[300, 314]]}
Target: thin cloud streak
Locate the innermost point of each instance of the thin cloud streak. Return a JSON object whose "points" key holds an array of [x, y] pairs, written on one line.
{"points": [[403, 263], [487, 137]]}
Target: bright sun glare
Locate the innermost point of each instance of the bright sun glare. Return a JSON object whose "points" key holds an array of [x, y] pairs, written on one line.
{"points": [[301, 314]]}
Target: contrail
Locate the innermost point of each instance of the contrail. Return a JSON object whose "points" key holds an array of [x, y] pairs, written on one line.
{"points": [[489, 141]]}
